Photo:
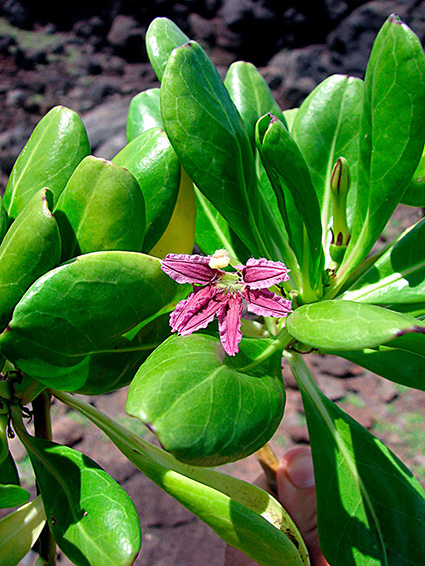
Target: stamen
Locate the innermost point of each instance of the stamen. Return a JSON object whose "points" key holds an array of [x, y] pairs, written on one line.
{"points": [[219, 259]]}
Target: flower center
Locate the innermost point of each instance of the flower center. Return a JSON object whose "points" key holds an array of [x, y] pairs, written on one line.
{"points": [[219, 260]]}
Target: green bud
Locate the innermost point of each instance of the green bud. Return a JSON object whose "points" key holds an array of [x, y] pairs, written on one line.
{"points": [[340, 185]]}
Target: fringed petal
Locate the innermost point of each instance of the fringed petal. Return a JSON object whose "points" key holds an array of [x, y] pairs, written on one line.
{"points": [[265, 303], [263, 273], [229, 324], [185, 268], [197, 311]]}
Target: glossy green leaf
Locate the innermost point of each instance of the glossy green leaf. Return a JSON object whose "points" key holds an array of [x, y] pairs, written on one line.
{"points": [[242, 514], [346, 325], [362, 488], [12, 495], [211, 142], [207, 408], [397, 365], [161, 38], [55, 148], [295, 194], [93, 520], [398, 276], [20, 530], [31, 247], [8, 471], [251, 95], [415, 192], [101, 208], [153, 162], [81, 308], [214, 233], [144, 113], [392, 133], [4, 222], [325, 128]]}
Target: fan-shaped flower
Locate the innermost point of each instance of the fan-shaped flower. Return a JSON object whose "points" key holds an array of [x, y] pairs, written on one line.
{"points": [[224, 294]]}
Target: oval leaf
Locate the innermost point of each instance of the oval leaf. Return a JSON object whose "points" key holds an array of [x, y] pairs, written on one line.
{"points": [[161, 38], [82, 503], [31, 247], [207, 408], [12, 495], [55, 148], [20, 530], [144, 113], [84, 307], [154, 164], [346, 325]]}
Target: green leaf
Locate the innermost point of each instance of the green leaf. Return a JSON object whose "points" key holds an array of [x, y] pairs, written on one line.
{"points": [[346, 325], [4, 222], [397, 365], [98, 201], [31, 247], [20, 530], [242, 514], [85, 307], [398, 276], [325, 128], [93, 520], [211, 142], [251, 95], [12, 495], [55, 148], [153, 162], [207, 408], [362, 488], [415, 192], [392, 133], [144, 113], [161, 38], [297, 200], [214, 233]]}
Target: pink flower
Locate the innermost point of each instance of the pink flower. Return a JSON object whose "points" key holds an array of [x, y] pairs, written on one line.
{"points": [[224, 294]]}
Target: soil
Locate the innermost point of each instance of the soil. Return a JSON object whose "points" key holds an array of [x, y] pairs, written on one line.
{"points": [[172, 536]]}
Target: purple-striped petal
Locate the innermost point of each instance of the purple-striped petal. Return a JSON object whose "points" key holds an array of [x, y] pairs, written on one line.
{"points": [[185, 268], [229, 324], [263, 273], [197, 311], [265, 303]]}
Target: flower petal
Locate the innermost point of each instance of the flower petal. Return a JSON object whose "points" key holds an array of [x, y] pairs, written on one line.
{"points": [[197, 311], [185, 268], [229, 324], [263, 273], [265, 303]]}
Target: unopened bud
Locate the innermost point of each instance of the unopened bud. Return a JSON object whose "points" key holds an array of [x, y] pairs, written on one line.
{"points": [[340, 185]]}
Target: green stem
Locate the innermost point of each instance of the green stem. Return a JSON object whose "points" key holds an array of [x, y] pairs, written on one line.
{"points": [[43, 429], [280, 342]]}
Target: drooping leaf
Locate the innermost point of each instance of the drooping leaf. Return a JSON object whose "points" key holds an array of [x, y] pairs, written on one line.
{"points": [[242, 514], [161, 38], [211, 142], [325, 128], [362, 487], [20, 530], [144, 113], [296, 197], [392, 133], [81, 308], [31, 247], [400, 366], [207, 408], [55, 148], [398, 276], [153, 162], [101, 208], [93, 520], [347, 325]]}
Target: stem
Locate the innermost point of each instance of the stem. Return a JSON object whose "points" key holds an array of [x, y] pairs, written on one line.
{"points": [[269, 463], [280, 342], [43, 429]]}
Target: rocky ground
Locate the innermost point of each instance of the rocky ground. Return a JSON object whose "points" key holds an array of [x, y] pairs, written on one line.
{"points": [[94, 63]]}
